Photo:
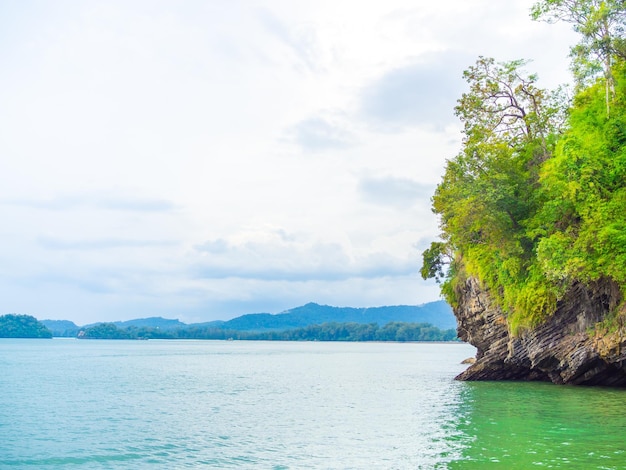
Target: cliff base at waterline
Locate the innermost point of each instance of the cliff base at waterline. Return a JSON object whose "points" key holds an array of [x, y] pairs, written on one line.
{"points": [[566, 349]]}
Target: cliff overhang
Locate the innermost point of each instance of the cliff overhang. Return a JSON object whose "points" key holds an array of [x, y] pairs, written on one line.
{"points": [[565, 349]]}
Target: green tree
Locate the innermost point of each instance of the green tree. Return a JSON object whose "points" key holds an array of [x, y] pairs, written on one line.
{"points": [[437, 259], [601, 25], [504, 104]]}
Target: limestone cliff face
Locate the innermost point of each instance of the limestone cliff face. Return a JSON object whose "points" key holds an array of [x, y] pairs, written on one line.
{"points": [[562, 350]]}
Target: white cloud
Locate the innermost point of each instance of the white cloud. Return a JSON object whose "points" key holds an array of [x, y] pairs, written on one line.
{"points": [[94, 202], [101, 244], [423, 93], [297, 261], [393, 191], [319, 133]]}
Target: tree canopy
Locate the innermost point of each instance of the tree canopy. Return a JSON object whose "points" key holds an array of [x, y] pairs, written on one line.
{"points": [[600, 24], [535, 199]]}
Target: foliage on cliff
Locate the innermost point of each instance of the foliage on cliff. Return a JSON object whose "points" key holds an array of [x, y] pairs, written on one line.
{"points": [[535, 201]]}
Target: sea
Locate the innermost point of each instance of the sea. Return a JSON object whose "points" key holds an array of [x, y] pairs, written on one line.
{"points": [[165, 404]]}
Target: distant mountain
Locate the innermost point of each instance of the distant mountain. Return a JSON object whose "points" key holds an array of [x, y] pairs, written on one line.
{"points": [[151, 322], [438, 314], [61, 328]]}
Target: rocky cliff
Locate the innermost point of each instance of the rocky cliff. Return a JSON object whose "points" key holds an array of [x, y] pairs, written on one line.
{"points": [[566, 349]]}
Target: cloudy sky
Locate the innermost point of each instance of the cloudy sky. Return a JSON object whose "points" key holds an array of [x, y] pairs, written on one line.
{"points": [[201, 159]]}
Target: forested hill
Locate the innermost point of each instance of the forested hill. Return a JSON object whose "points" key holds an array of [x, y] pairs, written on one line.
{"points": [[22, 326], [438, 314]]}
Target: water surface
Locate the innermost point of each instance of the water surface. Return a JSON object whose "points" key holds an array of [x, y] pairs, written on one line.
{"points": [[279, 405]]}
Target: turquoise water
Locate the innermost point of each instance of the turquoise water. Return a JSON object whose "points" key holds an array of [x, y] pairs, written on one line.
{"points": [[287, 405], [539, 425]]}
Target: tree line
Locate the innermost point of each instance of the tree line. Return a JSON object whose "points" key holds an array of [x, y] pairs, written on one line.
{"points": [[26, 326], [393, 331]]}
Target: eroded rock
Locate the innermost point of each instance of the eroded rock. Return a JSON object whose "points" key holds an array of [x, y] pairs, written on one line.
{"points": [[564, 349]]}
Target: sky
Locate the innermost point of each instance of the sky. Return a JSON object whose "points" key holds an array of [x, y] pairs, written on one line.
{"points": [[205, 159]]}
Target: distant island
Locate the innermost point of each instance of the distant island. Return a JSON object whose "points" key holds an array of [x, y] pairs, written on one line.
{"points": [[22, 326], [433, 321]]}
